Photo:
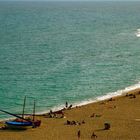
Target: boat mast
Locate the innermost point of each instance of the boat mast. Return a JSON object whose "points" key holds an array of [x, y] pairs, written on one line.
{"points": [[34, 111], [23, 107]]}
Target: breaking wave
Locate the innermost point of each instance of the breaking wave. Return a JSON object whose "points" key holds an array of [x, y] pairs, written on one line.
{"points": [[138, 33]]}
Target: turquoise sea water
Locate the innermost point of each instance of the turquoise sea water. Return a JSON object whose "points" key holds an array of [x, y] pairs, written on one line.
{"points": [[55, 52]]}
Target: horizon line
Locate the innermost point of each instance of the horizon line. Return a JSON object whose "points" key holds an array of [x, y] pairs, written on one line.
{"points": [[69, 0]]}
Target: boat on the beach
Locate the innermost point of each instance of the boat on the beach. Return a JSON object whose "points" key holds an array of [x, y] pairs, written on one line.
{"points": [[22, 122], [18, 125]]}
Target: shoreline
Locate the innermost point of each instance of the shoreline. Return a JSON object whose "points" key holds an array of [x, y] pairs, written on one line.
{"points": [[122, 112], [119, 93]]}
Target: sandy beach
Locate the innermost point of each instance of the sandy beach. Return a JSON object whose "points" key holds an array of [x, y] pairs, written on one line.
{"points": [[122, 113]]}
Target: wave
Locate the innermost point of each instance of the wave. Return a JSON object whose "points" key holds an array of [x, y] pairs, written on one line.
{"points": [[138, 33]]}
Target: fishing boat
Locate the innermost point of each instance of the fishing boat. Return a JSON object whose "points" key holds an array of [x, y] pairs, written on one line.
{"points": [[18, 125], [22, 122]]}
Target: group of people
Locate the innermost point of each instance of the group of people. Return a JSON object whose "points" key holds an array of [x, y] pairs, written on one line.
{"points": [[68, 106], [95, 115], [56, 114], [74, 122], [93, 136], [130, 95], [59, 113]]}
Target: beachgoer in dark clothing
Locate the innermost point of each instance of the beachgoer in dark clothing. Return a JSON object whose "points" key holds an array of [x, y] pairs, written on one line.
{"points": [[134, 96], [66, 104], [70, 107], [83, 122], [93, 135], [68, 122], [107, 126], [73, 122], [79, 134]]}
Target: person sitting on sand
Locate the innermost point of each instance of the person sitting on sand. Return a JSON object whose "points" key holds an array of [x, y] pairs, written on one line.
{"points": [[73, 122], [78, 123], [50, 114], [62, 115], [134, 96], [93, 136], [111, 99], [70, 107], [83, 122], [131, 96], [68, 122], [127, 95], [93, 115], [106, 126], [98, 115]]}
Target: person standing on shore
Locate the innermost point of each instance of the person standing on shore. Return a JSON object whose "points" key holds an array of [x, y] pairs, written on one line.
{"points": [[66, 105], [79, 134]]}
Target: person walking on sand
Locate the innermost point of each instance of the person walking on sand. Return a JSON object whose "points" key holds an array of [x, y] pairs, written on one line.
{"points": [[79, 134], [93, 136]]}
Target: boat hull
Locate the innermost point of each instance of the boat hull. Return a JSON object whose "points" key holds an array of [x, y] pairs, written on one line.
{"points": [[18, 125]]}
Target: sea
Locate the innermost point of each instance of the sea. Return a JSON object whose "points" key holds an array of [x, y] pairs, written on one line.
{"points": [[75, 52]]}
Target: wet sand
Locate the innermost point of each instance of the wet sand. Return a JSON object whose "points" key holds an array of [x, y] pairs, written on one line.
{"points": [[123, 115]]}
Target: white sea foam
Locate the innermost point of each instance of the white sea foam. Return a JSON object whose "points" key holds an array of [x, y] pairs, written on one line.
{"points": [[7, 119], [99, 98], [138, 33], [119, 92], [55, 108], [109, 95]]}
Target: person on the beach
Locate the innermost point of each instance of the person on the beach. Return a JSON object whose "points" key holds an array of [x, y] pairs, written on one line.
{"points": [[93, 115], [66, 105], [111, 99], [79, 134], [134, 96], [70, 107], [83, 122], [106, 126], [62, 115], [93, 136]]}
